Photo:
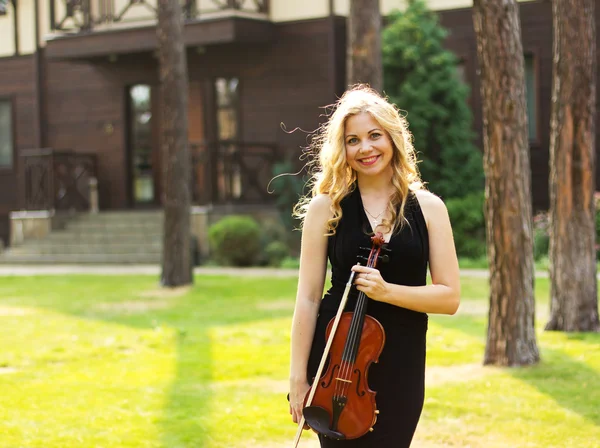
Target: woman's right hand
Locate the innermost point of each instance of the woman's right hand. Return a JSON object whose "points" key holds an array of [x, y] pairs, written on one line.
{"points": [[298, 391]]}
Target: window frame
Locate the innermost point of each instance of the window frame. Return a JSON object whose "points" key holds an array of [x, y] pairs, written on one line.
{"points": [[236, 107], [10, 99]]}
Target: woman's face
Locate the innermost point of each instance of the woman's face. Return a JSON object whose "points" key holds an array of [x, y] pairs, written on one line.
{"points": [[369, 149]]}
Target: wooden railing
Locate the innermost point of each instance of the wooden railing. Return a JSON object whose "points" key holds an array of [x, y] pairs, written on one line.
{"points": [[230, 172], [85, 15], [56, 180]]}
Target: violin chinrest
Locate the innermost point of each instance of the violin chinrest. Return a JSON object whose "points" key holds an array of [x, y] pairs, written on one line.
{"points": [[318, 419]]}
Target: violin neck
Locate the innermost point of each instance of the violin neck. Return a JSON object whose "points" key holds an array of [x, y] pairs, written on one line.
{"points": [[356, 328]]}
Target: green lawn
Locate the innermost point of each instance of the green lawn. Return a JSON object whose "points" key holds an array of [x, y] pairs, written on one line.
{"points": [[114, 362]]}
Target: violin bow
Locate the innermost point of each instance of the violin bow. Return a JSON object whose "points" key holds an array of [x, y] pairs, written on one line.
{"points": [[313, 390]]}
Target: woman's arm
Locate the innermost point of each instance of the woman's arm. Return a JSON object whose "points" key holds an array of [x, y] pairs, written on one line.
{"points": [[313, 268], [443, 295]]}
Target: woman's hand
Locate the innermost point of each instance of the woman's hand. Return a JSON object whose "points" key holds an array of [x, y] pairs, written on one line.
{"points": [[370, 281], [298, 391]]}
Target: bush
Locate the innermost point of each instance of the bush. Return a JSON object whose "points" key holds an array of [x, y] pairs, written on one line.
{"points": [[468, 224], [420, 76], [541, 235], [597, 200], [276, 252], [288, 186], [235, 240]]}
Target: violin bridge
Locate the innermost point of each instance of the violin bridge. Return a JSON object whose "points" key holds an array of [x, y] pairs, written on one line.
{"points": [[345, 381]]}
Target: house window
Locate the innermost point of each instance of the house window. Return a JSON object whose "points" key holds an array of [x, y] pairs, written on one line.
{"points": [[531, 95], [230, 173], [227, 104], [6, 134], [461, 71]]}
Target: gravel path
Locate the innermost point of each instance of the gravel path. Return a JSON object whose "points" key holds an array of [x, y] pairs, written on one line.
{"points": [[28, 270]]}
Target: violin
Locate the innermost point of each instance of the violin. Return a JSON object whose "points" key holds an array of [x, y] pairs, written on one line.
{"points": [[340, 404]]}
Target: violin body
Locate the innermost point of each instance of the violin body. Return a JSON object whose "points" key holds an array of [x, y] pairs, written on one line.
{"points": [[343, 390]]}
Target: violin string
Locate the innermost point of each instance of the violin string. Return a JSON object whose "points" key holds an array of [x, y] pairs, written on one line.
{"points": [[346, 366], [354, 335], [358, 325]]}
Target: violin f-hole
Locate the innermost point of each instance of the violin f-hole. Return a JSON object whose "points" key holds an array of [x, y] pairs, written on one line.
{"points": [[326, 383], [359, 392]]}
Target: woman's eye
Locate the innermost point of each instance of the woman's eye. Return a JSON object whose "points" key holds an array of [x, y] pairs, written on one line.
{"points": [[352, 141], [375, 135]]}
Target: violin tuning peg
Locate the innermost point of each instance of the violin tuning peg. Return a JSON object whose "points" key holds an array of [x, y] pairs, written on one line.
{"points": [[376, 411]]}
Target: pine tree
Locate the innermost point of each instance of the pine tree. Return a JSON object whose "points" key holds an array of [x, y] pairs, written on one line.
{"points": [[420, 77]]}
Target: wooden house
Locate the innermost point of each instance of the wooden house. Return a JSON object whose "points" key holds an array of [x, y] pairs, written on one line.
{"points": [[79, 95]]}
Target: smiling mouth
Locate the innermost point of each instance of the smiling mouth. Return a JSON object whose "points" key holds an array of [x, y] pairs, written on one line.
{"points": [[369, 160]]}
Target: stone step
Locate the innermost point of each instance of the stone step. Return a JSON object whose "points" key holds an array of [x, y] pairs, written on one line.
{"points": [[7, 259], [66, 237], [116, 226], [48, 249], [121, 216]]}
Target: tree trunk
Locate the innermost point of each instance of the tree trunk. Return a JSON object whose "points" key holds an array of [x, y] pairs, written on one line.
{"points": [[176, 261], [364, 44], [511, 337], [573, 290]]}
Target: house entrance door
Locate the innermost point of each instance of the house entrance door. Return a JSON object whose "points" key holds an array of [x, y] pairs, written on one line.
{"points": [[144, 147], [144, 130]]}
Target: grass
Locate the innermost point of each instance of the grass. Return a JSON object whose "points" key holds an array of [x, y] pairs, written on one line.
{"points": [[117, 362]]}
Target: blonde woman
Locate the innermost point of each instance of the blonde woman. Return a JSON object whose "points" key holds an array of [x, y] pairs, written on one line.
{"points": [[365, 181]]}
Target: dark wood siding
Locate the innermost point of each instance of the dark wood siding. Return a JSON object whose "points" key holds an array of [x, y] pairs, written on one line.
{"points": [[17, 84], [536, 25], [286, 81], [86, 113]]}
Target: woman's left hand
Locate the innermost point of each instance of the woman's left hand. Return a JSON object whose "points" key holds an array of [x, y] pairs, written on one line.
{"points": [[370, 281]]}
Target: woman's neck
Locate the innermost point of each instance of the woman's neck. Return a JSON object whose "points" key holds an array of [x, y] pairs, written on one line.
{"points": [[375, 184]]}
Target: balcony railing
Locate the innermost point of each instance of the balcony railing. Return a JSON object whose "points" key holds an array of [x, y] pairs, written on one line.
{"points": [[225, 172], [88, 15], [56, 180], [229, 172]]}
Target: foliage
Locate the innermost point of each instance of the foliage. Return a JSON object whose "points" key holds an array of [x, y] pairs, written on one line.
{"points": [[288, 187], [235, 240], [468, 224], [541, 235], [597, 202], [276, 252], [201, 367], [420, 76]]}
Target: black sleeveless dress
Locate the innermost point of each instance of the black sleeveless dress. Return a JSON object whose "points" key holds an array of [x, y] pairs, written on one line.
{"points": [[399, 377]]}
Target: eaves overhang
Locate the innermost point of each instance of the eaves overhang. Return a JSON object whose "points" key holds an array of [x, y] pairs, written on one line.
{"points": [[97, 43]]}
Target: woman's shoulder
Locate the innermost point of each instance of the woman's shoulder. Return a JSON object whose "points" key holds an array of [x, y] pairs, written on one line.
{"points": [[320, 201], [320, 206], [431, 205]]}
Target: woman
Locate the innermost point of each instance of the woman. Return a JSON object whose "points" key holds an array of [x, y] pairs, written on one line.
{"points": [[366, 181]]}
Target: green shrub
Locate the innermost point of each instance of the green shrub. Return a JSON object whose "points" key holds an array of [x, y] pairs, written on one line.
{"points": [[420, 77], [235, 240], [541, 235], [276, 252], [541, 244], [597, 202], [468, 224], [290, 263], [288, 186]]}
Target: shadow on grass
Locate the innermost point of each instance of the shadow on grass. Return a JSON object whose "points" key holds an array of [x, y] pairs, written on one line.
{"points": [[212, 302], [570, 383]]}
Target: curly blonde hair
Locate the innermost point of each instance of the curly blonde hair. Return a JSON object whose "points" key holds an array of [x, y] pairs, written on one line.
{"points": [[330, 172]]}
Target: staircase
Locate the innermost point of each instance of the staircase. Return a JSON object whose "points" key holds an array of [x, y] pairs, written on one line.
{"points": [[129, 237]]}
